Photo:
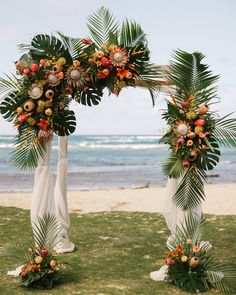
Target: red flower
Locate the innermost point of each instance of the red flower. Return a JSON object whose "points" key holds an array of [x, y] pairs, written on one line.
{"points": [[105, 61], [43, 124], [86, 41]]}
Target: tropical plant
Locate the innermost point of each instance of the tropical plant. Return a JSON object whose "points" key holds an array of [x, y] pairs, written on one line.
{"points": [[190, 265], [195, 132]]}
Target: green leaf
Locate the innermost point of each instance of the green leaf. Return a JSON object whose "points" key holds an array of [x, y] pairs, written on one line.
{"points": [[190, 192], [46, 230], [209, 158], [91, 97], [131, 34], [9, 105], [173, 166], [45, 46], [101, 24], [28, 150], [225, 131], [64, 122]]}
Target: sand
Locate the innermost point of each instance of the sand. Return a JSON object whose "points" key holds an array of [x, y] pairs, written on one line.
{"points": [[220, 200]]}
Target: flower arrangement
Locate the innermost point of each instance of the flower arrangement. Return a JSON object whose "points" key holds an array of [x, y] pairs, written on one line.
{"points": [[55, 70], [42, 270], [190, 264], [195, 131]]}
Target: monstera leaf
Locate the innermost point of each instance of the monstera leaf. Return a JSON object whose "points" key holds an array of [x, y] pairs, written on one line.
{"points": [[64, 122], [210, 157], [45, 46], [9, 105], [91, 97]]}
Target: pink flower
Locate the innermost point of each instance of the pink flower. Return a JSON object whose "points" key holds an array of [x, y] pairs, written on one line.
{"points": [[22, 118], [196, 249], [169, 262]]}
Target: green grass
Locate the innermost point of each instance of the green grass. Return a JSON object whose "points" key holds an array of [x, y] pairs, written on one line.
{"points": [[116, 252]]}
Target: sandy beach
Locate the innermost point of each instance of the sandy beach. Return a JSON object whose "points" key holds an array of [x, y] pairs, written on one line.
{"points": [[220, 200]]}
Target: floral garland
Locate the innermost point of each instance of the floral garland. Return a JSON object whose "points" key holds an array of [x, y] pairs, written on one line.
{"points": [[56, 70], [195, 131]]}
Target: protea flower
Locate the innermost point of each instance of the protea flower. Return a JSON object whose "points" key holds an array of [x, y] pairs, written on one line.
{"points": [[75, 77], [119, 57]]}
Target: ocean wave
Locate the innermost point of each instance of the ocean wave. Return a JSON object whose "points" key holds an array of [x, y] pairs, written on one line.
{"points": [[6, 145], [90, 145]]}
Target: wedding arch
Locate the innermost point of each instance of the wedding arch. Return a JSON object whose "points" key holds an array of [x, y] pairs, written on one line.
{"points": [[55, 70]]}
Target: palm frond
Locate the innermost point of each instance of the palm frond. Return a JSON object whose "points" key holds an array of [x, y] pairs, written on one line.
{"points": [[192, 77], [101, 24], [46, 230], [173, 166], [28, 150], [190, 192], [225, 131], [10, 84], [75, 46], [131, 34], [221, 276], [191, 228]]}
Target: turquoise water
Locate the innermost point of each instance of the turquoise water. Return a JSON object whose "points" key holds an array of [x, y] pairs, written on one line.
{"points": [[115, 161]]}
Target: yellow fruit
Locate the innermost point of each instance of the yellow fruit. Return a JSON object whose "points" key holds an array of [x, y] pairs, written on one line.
{"points": [[53, 263], [184, 258], [191, 115], [48, 112], [198, 129], [61, 61], [31, 121], [38, 259]]}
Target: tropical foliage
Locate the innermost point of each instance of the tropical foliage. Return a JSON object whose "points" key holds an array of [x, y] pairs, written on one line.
{"points": [[54, 70], [195, 132], [190, 264]]}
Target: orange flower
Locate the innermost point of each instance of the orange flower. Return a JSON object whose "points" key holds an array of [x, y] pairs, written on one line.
{"points": [[196, 249], [60, 75], [189, 142], [99, 54], [43, 124], [101, 75], [99, 63], [122, 72]]}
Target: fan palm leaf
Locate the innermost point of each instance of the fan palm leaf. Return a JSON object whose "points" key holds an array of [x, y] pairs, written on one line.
{"points": [[101, 24], [173, 166], [225, 131], [190, 192], [28, 150], [192, 77], [45, 231], [131, 34]]}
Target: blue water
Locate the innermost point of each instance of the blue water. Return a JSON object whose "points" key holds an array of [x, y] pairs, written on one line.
{"points": [[118, 161]]}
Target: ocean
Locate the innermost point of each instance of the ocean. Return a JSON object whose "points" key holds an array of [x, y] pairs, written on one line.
{"points": [[108, 161]]}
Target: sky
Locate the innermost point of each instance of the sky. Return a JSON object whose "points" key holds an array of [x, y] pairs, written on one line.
{"points": [[208, 26]]}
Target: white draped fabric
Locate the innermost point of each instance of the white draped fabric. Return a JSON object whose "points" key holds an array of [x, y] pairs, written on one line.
{"points": [[46, 199], [174, 217]]}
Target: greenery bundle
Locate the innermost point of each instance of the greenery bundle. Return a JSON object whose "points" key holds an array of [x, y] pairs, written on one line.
{"points": [[195, 132], [55, 70]]}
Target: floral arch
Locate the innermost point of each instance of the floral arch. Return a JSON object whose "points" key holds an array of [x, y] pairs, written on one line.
{"points": [[53, 71]]}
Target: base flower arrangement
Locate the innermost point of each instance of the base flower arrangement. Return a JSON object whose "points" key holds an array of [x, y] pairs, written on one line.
{"points": [[56, 70], [190, 263], [42, 270]]}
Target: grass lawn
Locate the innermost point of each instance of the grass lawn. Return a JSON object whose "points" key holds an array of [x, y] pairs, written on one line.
{"points": [[116, 252]]}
